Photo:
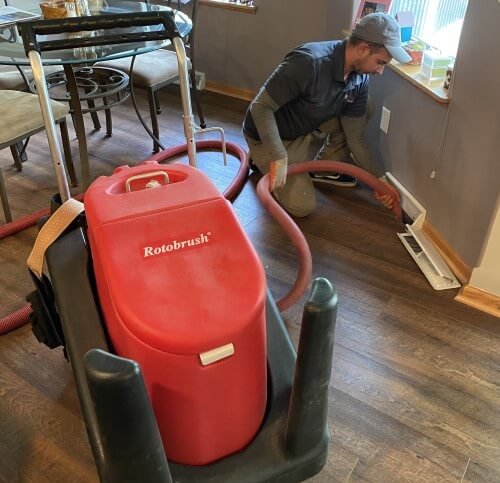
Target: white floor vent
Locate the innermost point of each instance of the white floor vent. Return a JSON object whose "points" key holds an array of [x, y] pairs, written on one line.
{"points": [[428, 259], [421, 249]]}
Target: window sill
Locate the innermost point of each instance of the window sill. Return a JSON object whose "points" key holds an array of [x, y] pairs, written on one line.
{"points": [[412, 74], [229, 5]]}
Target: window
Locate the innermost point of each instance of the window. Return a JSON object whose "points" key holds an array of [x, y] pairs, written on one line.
{"points": [[437, 22], [240, 5]]}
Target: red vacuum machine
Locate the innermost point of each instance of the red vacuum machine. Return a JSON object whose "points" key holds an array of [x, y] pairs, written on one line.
{"points": [[171, 262]]}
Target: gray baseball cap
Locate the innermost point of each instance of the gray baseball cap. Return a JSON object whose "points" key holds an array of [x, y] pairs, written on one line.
{"points": [[381, 28]]}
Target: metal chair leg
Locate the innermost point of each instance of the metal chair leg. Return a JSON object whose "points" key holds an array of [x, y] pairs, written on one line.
{"points": [[196, 97], [18, 163], [5, 200], [21, 149], [154, 119], [157, 103], [68, 157]]}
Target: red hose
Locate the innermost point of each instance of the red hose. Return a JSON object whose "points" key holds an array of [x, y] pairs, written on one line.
{"points": [[298, 239], [27, 221], [15, 320], [22, 223], [233, 189], [20, 317], [346, 168], [292, 230]]}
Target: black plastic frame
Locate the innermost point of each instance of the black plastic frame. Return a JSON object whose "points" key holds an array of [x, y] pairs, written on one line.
{"points": [[30, 30], [293, 440]]}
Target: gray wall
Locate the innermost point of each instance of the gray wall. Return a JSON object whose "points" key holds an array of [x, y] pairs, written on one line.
{"points": [[241, 50], [461, 200]]}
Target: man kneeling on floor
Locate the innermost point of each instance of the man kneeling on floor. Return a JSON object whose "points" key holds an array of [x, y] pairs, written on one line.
{"points": [[320, 90]]}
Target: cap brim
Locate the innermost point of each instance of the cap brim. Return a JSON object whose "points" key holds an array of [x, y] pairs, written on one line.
{"points": [[398, 53]]}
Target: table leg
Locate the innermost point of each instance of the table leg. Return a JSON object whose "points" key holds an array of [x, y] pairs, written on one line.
{"points": [[107, 113], [76, 109], [68, 157], [93, 114]]}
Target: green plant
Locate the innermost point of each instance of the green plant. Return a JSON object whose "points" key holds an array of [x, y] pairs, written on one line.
{"points": [[418, 45]]}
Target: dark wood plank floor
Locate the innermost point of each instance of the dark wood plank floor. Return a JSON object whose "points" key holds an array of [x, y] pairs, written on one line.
{"points": [[414, 393]]}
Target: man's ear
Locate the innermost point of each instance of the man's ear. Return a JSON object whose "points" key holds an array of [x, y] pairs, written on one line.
{"points": [[363, 49]]}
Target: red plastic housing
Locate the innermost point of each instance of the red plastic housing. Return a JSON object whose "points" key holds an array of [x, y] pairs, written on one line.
{"points": [[177, 277]]}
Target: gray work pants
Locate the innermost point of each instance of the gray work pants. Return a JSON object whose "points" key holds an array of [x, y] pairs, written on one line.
{"points": [[297, 196]]}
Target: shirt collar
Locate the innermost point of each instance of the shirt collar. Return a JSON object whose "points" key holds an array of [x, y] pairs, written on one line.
{"points": [[338, 66]]}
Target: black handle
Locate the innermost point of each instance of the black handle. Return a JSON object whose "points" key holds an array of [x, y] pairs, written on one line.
{"points": [[30, 30]]}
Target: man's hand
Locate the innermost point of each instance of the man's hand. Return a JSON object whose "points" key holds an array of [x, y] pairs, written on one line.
{"points": [[387, 200], [277, 173]]}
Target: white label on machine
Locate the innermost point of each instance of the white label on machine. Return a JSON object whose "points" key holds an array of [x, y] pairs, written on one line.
{"points": [[214, 355]]}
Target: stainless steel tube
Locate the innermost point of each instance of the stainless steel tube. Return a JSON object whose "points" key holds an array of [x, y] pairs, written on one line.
{"points": [[50, 126], [187, 110]]}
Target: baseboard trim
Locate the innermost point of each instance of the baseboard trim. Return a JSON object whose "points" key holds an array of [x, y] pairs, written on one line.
{"points": [[479, 299], [236, 92], [461, 270]]}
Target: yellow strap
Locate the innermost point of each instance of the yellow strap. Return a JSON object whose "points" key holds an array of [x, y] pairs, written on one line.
{"points": [[51, 231]]}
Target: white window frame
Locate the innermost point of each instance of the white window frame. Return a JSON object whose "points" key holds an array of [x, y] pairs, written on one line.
{"points": [[424, 28]]}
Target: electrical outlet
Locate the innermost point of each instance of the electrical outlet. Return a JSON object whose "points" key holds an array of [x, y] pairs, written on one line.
{"points": [[384, 120]]}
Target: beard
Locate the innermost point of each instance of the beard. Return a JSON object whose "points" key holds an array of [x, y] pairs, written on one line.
{"points": [[357, 66]]}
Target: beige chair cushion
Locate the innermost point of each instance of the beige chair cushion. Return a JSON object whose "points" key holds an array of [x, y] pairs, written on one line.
{"points": [[20, 114], [150, 69], [11, 79]]}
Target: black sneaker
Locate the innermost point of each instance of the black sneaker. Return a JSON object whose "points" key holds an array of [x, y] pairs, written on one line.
{"points": [[338, 179]]}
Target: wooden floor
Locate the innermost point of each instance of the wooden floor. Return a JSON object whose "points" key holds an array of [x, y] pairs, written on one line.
{"points": [[414, 393]]}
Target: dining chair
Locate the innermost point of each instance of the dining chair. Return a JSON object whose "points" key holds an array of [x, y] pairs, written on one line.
{"points": [[17, 78], [159, 68], [13, 78], [20, 118]]}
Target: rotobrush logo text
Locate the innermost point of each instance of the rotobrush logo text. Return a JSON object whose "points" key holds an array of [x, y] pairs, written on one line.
{"points": [[176, 245]]}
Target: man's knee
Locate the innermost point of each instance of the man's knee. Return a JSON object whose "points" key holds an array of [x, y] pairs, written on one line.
{"points": [[297, 197], [257, 154], [296, 210]]}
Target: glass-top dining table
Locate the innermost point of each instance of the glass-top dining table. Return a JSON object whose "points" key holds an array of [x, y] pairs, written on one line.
{"points": [[77, 62]]}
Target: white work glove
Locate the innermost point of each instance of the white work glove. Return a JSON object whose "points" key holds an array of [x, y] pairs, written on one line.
{"points": [[387, 200], [277, 173]]}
